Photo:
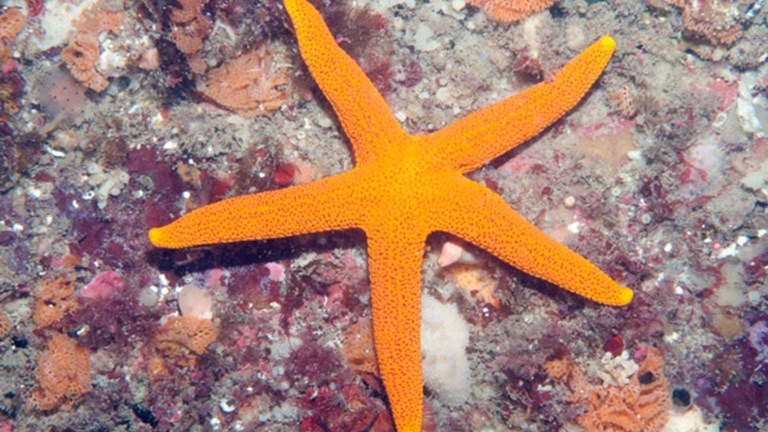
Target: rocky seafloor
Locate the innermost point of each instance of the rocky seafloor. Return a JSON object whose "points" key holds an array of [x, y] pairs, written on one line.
{"points": [[112, 123]]}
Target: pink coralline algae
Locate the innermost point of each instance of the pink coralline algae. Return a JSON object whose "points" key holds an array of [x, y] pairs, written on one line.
{"points": [[102, 285], [276, 271]]}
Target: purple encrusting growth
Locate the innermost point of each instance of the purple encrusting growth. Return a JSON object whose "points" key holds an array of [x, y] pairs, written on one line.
{"points": [[757, 334]]}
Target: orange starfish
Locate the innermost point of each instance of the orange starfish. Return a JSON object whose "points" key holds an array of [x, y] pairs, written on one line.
{"points": [[403, 188]]}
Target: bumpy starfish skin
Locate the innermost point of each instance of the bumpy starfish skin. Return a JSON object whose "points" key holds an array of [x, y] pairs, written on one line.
{"points": [[403, 188]]}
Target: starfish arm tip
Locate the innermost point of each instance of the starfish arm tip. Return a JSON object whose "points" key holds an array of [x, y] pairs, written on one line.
{"points": [[625, 296], [607, 42], [155, 237]]}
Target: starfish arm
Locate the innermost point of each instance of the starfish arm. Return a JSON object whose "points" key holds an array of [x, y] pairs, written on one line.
{"points": [[361, 109], [488, 133], [394, 267], [482, 218], [322, 205]]}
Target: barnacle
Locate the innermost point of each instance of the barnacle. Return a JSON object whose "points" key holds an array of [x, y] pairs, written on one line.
{"points": [[156, 368], [11, 23], [476, 281], [358, 348], [189, 29], [55, 299], [559, 369], [62, 374], [81, 56], [624, 100], [247, 84], [510, 10], [642, 404], [715, 21], [83, 51], [181, 337]]}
